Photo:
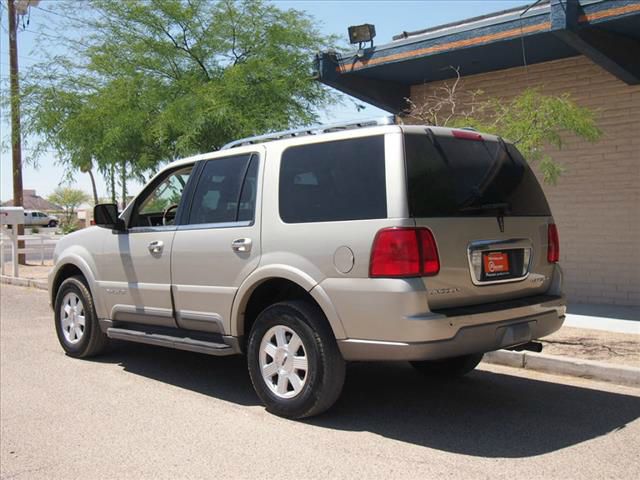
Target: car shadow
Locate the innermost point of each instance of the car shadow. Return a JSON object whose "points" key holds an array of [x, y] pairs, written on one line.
{"points": [[484, 414]]}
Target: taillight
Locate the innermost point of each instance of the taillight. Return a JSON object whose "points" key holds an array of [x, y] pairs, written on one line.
{"points": [[404, 252], [430, 260], [467, 135], [553, 250]]}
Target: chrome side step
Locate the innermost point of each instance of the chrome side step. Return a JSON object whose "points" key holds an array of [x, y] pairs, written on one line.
{"points": [[181, 343]]}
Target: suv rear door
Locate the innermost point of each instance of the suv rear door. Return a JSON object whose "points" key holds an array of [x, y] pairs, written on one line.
{"points": [[217, 244], [487, 212]]}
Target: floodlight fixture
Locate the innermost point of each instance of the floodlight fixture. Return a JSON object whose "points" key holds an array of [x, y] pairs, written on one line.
{"points": [[362, 33]]}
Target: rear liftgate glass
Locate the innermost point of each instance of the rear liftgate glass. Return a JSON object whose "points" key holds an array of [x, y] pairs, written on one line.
{"points": [[466, 175]]}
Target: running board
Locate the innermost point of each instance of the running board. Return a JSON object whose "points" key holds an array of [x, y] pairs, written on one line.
{"points": [[180, 343]]}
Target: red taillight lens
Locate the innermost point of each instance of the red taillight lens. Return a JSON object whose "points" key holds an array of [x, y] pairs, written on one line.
{"points": [[467, 135], [430, 260], [404, 252], [553, 251]]}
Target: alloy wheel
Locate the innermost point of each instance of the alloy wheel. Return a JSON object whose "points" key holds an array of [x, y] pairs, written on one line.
{"points": [[283, 361], [72, 318]]}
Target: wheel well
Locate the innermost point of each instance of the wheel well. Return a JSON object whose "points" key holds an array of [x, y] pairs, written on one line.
{"points": [[269, 292], [66, 271]]}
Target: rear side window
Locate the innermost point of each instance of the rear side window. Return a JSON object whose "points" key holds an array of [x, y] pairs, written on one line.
{"points": [[333, 181], [226, 191], [452, 177]]}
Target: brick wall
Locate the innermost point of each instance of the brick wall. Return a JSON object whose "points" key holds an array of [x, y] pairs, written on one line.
{"points": [[596, 202]]}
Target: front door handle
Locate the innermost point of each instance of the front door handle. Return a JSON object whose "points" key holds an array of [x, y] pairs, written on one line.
{"points": [[241, 245], [155, 248]]}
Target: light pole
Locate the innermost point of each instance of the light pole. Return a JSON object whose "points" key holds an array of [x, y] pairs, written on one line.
{"points": [[16, 149]]}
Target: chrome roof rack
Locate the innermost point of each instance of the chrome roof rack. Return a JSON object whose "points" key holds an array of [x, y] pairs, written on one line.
{"points": [[313, 130]]}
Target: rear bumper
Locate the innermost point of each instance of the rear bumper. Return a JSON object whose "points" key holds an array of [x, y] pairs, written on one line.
{"points": [[483, 329]]}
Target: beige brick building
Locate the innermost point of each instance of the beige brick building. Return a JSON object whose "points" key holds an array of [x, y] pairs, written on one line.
{"points": [[596, 202], [589, 49]]}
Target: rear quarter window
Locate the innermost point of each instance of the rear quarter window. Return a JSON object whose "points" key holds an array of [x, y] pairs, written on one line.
{"points": [[333, 181]]}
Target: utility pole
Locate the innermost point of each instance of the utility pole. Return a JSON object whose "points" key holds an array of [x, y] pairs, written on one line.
{"points": [[16, 150]]}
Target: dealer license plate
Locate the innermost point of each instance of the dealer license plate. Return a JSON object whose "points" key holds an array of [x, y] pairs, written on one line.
{"points": [[496, 264]]}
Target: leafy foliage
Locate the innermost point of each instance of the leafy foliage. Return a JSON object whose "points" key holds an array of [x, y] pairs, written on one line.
{"points": [[152, 80], [531, 120], [69, 199]]}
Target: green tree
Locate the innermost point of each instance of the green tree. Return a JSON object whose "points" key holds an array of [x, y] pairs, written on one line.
{"points": [[532, 120], [69, 199], [149, 81]]}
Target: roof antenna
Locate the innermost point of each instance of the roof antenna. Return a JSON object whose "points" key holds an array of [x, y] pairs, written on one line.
{"points": [[524, 53]]}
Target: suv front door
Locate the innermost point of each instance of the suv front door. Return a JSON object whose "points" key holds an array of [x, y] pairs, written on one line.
{"points": [[218, 243], [136, 264]]}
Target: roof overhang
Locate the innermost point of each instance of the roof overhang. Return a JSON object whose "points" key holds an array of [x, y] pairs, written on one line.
{"points": [[606, 31]]}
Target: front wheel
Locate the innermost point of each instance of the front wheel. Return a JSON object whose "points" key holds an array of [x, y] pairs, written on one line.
{"points": [[448, 367], [294, 362], [76, 320]]}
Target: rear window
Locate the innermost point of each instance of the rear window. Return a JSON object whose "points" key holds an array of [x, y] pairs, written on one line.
{"points": [[450, 177], [333, 181]]}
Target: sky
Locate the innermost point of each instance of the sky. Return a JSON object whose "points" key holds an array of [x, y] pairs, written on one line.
{"points": [[332, 16]]}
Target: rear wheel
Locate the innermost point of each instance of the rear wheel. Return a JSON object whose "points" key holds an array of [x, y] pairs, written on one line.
{"points": [[76, 320], [294, 362], [448, 367]]}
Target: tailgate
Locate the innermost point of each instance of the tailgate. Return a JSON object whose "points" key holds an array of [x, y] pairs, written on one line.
{"points": [[480, 264], [487, 212]]}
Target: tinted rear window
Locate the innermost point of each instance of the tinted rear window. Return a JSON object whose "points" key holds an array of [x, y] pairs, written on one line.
{"points": [[456, 177], [333, 181], [217, 196]]}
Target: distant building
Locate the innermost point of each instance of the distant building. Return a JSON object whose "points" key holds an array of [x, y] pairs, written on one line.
{"points": [[589, 49], [32, 201]]}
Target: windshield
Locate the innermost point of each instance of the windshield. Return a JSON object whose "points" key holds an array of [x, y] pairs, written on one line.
{"points": [[448, 176]]}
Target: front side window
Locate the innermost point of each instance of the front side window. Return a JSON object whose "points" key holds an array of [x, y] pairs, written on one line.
{"points": [[333, 181], [158, 206], [226, 191]]}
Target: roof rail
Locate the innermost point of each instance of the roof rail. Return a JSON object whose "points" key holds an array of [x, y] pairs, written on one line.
{"points": [[313, 130]]}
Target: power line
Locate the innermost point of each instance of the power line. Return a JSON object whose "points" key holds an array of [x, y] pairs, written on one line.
{"points": [[20, 55], [59, 14], [54, 37]]}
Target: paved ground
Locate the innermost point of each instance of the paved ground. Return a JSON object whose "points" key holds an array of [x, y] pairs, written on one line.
{"points": [[628, 320], [144, 412]]}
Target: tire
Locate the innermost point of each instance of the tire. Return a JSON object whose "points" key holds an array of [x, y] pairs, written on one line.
{"points": [[448, 367], [52, 224], [320, 385], [86, 340]]}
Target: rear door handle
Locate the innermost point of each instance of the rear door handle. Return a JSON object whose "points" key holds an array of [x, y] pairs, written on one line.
{"points": [[241, 245], [155, 248]]}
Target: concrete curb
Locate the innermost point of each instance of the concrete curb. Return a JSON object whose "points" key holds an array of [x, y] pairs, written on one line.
{"points": [[569, 366], [24, 282]]}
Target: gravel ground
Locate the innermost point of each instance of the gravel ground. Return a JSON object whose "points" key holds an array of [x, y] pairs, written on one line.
{"points": [[618, 348], [33, 270]]}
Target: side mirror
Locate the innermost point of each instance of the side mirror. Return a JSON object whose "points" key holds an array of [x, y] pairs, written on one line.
{"points": [[106, 215]]}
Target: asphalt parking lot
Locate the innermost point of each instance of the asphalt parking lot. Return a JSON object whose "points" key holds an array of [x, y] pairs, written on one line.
{"points": [[146, 412]]}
